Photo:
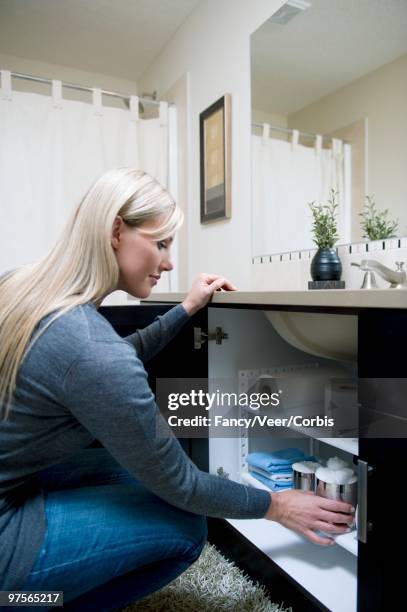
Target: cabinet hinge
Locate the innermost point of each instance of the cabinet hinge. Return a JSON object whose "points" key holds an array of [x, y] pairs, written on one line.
{"points": [[201, 337], [221, 472]]}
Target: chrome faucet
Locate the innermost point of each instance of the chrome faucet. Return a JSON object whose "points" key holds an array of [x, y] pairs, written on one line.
{"points": [[397, 278]]}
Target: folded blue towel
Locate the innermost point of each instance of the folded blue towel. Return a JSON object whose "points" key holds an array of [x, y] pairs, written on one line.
{"points": [[273, 486], [278, 461], [279, 477]]}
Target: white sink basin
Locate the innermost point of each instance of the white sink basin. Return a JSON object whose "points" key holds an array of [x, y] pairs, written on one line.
{"points": [[331, 336]]}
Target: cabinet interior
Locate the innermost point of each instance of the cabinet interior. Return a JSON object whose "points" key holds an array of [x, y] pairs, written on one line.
{"points": [[253, 347]]}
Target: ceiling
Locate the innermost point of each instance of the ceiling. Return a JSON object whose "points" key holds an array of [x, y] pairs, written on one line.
{"points": [[119, 38], [323, 48]]}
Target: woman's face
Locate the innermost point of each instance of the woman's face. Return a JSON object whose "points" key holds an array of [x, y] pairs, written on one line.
{"points": [[141, 258]]}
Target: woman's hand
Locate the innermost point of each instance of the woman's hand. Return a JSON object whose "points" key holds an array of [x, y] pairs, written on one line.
{"points": [[202, 289], [304, 512]]}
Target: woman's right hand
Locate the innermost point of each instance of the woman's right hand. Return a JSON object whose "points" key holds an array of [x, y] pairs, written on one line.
{"points": [[304, 512], [202, 290]]}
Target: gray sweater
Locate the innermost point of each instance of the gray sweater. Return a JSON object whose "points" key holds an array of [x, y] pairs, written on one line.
{"points": [[80, 382]]}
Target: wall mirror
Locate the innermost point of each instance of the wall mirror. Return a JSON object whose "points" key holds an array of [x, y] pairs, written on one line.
{"points": [[329, 100]]}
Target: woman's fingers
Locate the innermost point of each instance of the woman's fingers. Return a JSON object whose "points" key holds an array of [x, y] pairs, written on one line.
{"points": [[202, 290], [331, 527], [227, 286], [335, 511], [336, 517], [217, 284], [335, 506], [221, 283], [305, 512], [316, 539]]}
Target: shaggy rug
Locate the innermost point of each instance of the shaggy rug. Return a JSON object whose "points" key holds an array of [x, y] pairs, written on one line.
{"points": [[211, 583]]}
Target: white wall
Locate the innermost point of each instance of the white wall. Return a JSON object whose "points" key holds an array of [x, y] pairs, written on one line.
{"points": [[261, 116], [274, 119], [213, 45]]}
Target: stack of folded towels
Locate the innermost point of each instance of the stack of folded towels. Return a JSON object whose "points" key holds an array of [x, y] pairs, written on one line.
{"points": [[275, 469]]}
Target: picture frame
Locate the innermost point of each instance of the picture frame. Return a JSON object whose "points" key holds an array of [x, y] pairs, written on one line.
{"points": [[215, 160]]}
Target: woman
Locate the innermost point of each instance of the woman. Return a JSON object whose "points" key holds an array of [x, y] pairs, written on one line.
{"points": [[107, 525]]}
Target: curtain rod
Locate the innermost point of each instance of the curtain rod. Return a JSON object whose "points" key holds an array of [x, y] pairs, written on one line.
{"points": [[114, 94], [277, 128]]}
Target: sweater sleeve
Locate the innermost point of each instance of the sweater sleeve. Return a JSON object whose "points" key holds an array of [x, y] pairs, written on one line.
{"points": [[108, 393], [150, 340]]}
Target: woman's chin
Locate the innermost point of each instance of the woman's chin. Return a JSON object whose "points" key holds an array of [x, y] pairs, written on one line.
{"points": [[140, 294], [142, 291]]}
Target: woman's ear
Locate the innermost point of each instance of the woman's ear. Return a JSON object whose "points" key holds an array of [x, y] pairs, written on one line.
{"points": [[116, 232]]}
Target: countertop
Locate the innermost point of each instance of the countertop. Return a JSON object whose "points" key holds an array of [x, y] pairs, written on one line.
{"points": [[331, 298]]}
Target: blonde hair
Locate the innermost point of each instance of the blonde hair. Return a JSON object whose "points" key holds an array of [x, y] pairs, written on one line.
{"points": [[81, 267]]}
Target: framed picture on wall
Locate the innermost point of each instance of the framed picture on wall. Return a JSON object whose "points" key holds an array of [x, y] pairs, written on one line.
{"points": [[215, 160]]}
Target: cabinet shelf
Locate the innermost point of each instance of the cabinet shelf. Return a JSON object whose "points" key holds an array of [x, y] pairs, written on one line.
{"points": [[328, 573], [348, 541], [350, 445]]}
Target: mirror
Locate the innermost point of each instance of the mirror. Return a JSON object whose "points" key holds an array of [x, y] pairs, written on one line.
{"points": [[329, 99]]}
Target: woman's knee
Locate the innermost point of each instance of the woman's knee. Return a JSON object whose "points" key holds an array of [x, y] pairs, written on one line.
{"points": [[199, 537], [201, 529]]}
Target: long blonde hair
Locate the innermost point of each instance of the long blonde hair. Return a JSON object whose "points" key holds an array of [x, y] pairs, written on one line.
{"points": [[81, 267]]}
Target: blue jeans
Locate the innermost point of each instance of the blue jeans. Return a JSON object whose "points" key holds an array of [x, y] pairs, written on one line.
{"points": [[109, 541]]}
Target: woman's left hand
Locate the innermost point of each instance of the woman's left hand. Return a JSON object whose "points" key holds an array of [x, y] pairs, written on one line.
{"points": [[202, 289]]}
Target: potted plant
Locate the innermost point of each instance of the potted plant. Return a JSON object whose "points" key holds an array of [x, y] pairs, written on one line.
{"points": [[325, 264], [375, 224]]}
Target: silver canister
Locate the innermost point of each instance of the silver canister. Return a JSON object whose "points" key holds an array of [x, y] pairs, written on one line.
{"points": [[304, 480], [339, 492]]}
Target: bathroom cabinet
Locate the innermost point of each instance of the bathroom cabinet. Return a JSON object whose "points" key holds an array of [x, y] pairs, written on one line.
{"points": [[355, 574]]}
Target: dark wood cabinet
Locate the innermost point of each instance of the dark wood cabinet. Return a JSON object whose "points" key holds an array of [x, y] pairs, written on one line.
{"points": [[382, 336]]}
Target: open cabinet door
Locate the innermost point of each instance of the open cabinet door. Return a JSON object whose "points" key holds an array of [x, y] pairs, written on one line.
{"points": [[178, 359], [382, 525]]}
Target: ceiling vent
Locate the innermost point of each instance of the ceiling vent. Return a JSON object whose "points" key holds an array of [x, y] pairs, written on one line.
{"points": [[288, 11]]}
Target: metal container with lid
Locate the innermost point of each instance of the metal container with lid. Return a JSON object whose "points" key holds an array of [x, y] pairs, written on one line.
{"points": [[304, 475]]}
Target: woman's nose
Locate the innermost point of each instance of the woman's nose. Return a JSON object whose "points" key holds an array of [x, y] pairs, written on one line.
{"points": [[166, 264]]}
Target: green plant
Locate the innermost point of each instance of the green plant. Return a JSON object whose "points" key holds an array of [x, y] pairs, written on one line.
{"points": [[324, 224], [375, 224]]}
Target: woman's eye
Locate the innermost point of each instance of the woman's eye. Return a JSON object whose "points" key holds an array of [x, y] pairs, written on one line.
{"points": [[161, 245]]}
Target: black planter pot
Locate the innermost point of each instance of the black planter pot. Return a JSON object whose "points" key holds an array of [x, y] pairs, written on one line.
{"points": [[326, 265]]}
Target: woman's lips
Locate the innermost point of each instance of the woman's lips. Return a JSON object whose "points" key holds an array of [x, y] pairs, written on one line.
{"points": [[155, 279]]}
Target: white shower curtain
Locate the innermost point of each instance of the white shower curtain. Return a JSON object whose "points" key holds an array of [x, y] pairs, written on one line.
{"points": [[285, 177], [51, 150]]}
